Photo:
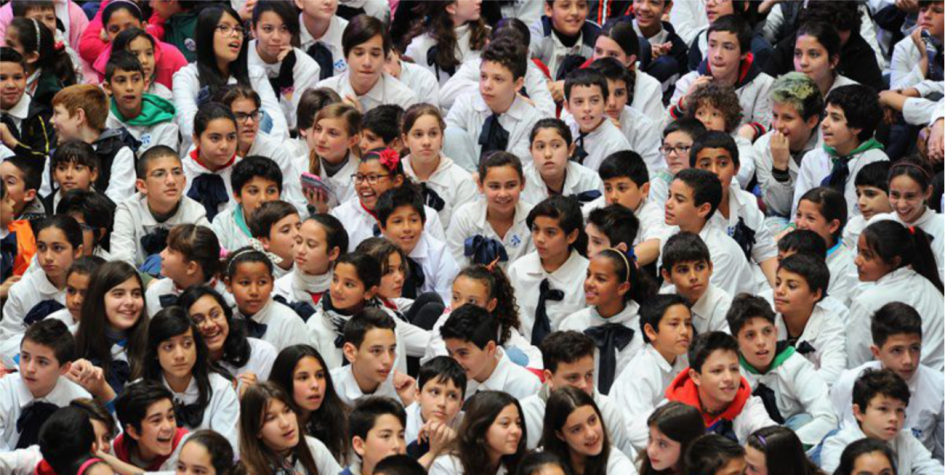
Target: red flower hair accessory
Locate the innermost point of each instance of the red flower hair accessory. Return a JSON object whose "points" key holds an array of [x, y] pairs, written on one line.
{"points": [[389, 158]]}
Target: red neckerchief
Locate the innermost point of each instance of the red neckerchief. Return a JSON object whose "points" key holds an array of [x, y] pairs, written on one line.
{"points": [[389, 304], [372, 213], [316, 297], [683, 389], [196, 156], [743, 68]]}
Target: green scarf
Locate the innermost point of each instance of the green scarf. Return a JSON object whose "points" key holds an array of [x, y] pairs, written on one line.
{"points": [[154, 110], [778, 360], [241, 220], [868, 145]]}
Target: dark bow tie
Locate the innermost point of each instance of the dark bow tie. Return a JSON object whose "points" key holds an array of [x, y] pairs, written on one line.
{"points": [[805, 348], [431, 61], [744, 236], [542, 326], [482, 250], [610, 338], [415, 279], [770, 401], [41, 311], [155, 241], [492, 138], [31, 421], [725, 428], [320, 53], [838, 174], [431, 198], [579, 153], [188, 415], [588, 196], [167, 300], [302, 309], [209, 190], [255, 329]]}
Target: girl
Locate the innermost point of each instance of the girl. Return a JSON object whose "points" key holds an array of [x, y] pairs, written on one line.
{"points": [[221, 60], [310, 102], [272, 440], [335, 133], [817, 54], [90, 465], [493, 229], [824, 211], [301, 371], [574, 430], [321, 240], [246, 359], [117, 16], [77, 285], [900, 262], [210, 164], [177, 356], [249, 279], [867, 457], [544, 280], [491, 438], [103, 422], [113, 331], [378, 171], [290, 70], [192, 257], [48, 66], [777, 451], [551, 171], [672, 428], [451, 33], [95, 214], [542, 463], [159, 60], [445, 184], [206, 452], [618, 39]]}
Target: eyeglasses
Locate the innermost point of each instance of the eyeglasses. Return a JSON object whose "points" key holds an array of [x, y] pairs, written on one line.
{"points": [[371, 179], [680, 150], [229, 30], [243, 117], [162, 174]]}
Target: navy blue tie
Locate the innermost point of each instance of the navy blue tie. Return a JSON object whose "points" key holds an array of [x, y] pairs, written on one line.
{"points": [[610, 338], [542, 326]]}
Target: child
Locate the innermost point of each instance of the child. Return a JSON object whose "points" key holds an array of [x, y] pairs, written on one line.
{"points": [[377, 432], [886, 250], [670, 52], [494, 229], [666, 324], [18, 244], [718, 109], [95, 214], [774, 448], [587, 93], [612, 227], [67, 439], [159, 60], [897, 345], [551, 172], [614, 289], [432, 420], [823, 211], [192, 257], [714, 385], [381, 128], [872, 198], [819, 44], [209, 166], [694, 197], [678, 137], [49, 69], [272, 439], [205, 450], [151, 439], [618, 40], [557, 229], [470, 335], [142, 222], [880, 399], [148, 118], [40, 387], [275, 229], [445, 185], [255, 180], [335, 134], [31, 132], [563, 38], [627, 183], [672, 429], [713, 454], [79, 113], [867, 456], [850, 118], [399, 464], [452, 33], [77, 285], [541, 463], [177, 357], [74, 166], [320, 36], [789, 386], [322, 240], [687, 265]]}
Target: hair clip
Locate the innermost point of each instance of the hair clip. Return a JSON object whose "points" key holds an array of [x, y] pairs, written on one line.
{"points": [[389, 158]]}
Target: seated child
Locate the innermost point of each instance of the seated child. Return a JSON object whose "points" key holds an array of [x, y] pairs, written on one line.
{"points": [[872, 199], [587, 93], [627, 183], [209, 165], [380, 128], [865, 455], [669, 425], [669, 51], [255, 180], [18, 243], [419, 79], [678, 137], [713, 454], [718, 109], [563, 38], [433, 418], [148, 118], [159, 60], [332, 155], [551, 171], [376, 427], [442, 50], [320, 36], [612, 227], [95, 214], [687, 266], [151, 439], [322, 240], [28, 131], [191, 258], [74, 166], [823, 211], [275, 226]]}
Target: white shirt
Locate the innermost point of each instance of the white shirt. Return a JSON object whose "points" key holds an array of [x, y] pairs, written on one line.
{"points": [[589, 317], [470, 220], [506, 377], [192, 170], [599, 143], [466, 79], [826, 333], [652, 221], [577, 179], [121, 180], [133, 220], [911, 456], [331, 39], [360, 224], [449, 464], [534, 417], [230, 234], [341, 183], [283, 326], [275, 149], [526, 275], [730, 269], [644, 133], [387, 90], [163, 133], [852, 231], [321, 334], [648, 98], [550, 50], [439, 267], [324, 461], [419, 49], [743, 206], [15, 397], [350, 392], [816, 166], [933, 224], [222, 414], [29, 291], [843, 273], [261, 357], [469, 114], [904, 67], [708, 313], [454, 185], [297, 286], [778, 196], [165, 286], [415, 422], [305, 74], [437, 347], [421, 81]]}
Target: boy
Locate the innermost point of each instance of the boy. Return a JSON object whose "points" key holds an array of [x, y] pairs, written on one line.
{"points": [[627, 183], [432, 419], [880, 401], [872, 198], [897, 346], [148, 118], [321, 35], [401, 217], [612, 227], [151, 440], [714, 385], [471, 334], [370, 348], [568, 358], [255, 180], [17, 242], [678, 137], [399, 465], [694, 197], [25, 128], [687, 266], [666, 323], [718, 109], [376, 426], [801, 241], [79, 113], [380, 128], [23, 177], [495, 118], [276, 225], [669, 51], [850, 119], [67, 436], [596, 136], [738, 212], [788, 384], [142, 222], [75, 167], [563, 39], [29, 397]]}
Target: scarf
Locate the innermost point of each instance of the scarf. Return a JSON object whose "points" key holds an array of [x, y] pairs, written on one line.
{"points": [[309, 287], [154, 110]]}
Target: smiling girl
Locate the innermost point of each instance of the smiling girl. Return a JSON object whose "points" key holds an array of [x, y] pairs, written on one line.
{"points": [[491, 438], [334, 136], [672, 428], [823, 210], [209, 166]]}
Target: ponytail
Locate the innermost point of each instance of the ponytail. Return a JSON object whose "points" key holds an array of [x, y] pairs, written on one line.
{"points": [[642, 287], [499, 288], [34, 37], [891, 240]]}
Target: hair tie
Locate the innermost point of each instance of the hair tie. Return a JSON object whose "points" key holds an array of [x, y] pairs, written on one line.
{"points": [[59, 46], [258, 246], [911, 230], [88, 463], [239, 253], [39, 42], [761, 439], [626, 261], [389, 158], [911, 165]]}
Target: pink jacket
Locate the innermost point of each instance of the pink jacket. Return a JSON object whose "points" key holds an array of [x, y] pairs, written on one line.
{"points": [[77, 21], [91, 47], [167, 60]]}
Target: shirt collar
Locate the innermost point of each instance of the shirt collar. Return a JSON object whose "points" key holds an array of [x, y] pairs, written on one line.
{"points": [[703, 307], [521, 214], [419, 252], [438, 176], [500, 374], [664, 365], [629, 316], [516, 110], [22, 108], [568, 269], [60, 395]]}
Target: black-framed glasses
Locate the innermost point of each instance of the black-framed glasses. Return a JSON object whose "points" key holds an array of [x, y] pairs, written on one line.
{"points": [[371, 179], [243, 116], [228, 30], [680, 150]]}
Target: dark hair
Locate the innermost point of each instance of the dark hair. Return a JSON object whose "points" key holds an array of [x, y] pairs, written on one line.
{"points": [[123, 40], [74, 151], [684, 247], [653, 311], [255, 456], [360, 30], [509, 54], [895, 318], [746, 307], [438, 25], [804, 241], [825, 34], [152, 154], [65, 437], [565, 346], [219, 449], [34, 37], [236, 347], [617, 222], [499, 288], [368, 319], [860, 105], [899, 247], [707, 343], [96, 209], [843, 16], [713, 139], [54, 335], [784, 453], [874, 175], [567, 212], [112, 7], [585, 78], [335, 233], [687, 125], [31, 168], [621, 31], [442, 369], [711, 452], [267, 215], [679, 422], [512, 27], [367, 267], [913, 167], [614, 70], [375, 154], [312, 101], [469, 446], [497, 160], [874, 382], [624, 164], [641, 287], [705, 185], [122, 60], [473, 324], [380, 249], [551, 123], [861, 447], [252, 167], [199, 244], [399, 464], [131, 405], [367, 410], [22, 7], [722, 98], [231, 93], [416, 111], [812, 268], [560, 405], [385, 121], [65, 223], [85, 265], [210, 112], [286, 12], [10, 55], [831, 204], [735, 25], [395, 198], [204, 34], [97, 412], [535, 461], [245, 255]]}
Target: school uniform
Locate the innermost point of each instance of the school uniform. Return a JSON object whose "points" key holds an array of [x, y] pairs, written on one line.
{"points": [[305, 74], [527, 276], [471, 117], [466, 79], [533, 409], [161, 464], [816, 166], [325, 331], [421, 81], [906, 286], [280, 325], [423, 50], [449, 464], [578, 179], [753, 88], [327, 50], [262, 355], [164, 292], [231, 229], [746, 225], [777, 189], [28, 121], [933, 224], [911, 457], [644, 134], [297, 286], [730, 269], [203, 184], [222, 413], [160, 90], [31, 299], [708, 313], [548, 47], [134, 221], [852, 231], [506, 377], [610, 335], [516, 344], [415, 422], [652, 219], [121, 177], [387, 90], [16, 399], [157, 128], [904, 68], [23, 461], [648, 98], [439, 267], [448, 187], [597, 144], [843, 274], [275, 149], [746, 160], [822, 341], [361, 224], [324, 461], [470, 224], [349, 392], [340, 182]]}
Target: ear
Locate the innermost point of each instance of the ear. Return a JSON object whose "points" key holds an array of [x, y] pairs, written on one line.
{"points": [[645, 190], [650, 332], [573, 235], [571, 149], [141, 187], [812, 121], [623, 288], [492, 305], [519, 83], [354, 140], [695, 376], [192, 268], [451, 8], [77, 253], [547, 375], [80, 116], [350, 351], [32, 57], [334, 253], [132, 432], [29, 196], [703, 210], [632, 63], [834, 226], [858, 414], [357, 443], [548, 9], [491, 348], [264, 240], [559, 435], [819, 295], [237, 197], [370, 293], [875, 351], [397, 144], [107, 87], [666, 275], [195, 140], [228, 284], [64, 369], [398, 181], [94, 175]]}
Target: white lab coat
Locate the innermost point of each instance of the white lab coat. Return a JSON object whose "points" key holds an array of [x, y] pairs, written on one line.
{"points": [[387, 90], [743, 206], [164, 133], [754, 96], [777, 195], [133, 220], [526, 275], [466, 79], [439, 267], [15, 397], [437, 347], [506, 377], [730, 269], [825, 332], [816, 166], [349, 392], [708, 313], [470, 220], [421, 81], [192, 170], [261, 357], [31, 290], [933, 224], [331, 39], [600, 142], [419, 49], [230, 233], [454, 184]]}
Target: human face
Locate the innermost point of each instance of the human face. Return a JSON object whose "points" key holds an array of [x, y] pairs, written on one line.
{"points": [[681, 209], [872, 201], [247, 121], [177, 356], [812, 59], [12, 84], [228, 43], [376, 180], [424, 139], [718, 8], [272, 36], [502, 187], [282, 238], [810, 218], [932, 19], [606, 47], [403, 228], [46, 16], [602, 286], [883, 418], [712, 118], [724, 56], [567, 16], [102, 436], [873, 463], [578, 374], [587, 104], [13, 41], [718, 161], [6, 211], [678, 158], [194, 459], [321, 10], [76, 286], [550, 154], [583, 431], [392, 282], [370, 141], [123, 304], [497, 86], [164, 183], [789, 122], [477, 362], [440, 400], [649, 13], [551, 241], [312, 255], [386, 438], [347, 289], [664, 453], [255, 192], [309, 384], [793, 295], [869, 266], [471, 291], [251, 287], [908, 198], [596, 240], [675, 332], [55, 254], [374, 359], [719, 380], [901, 353], [464, 11], [156, 438], [39, 367], [366, 64], [280, 427], [174, 265], [67, 125], [74, 176], [691, 279], [120, 21], [835, 131], [126, 89], [211, 322], [617, 99], [735, 466], [217, 143], [505, 433], [144, 50], [756, 342], [331, 140], [88, 235]]}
